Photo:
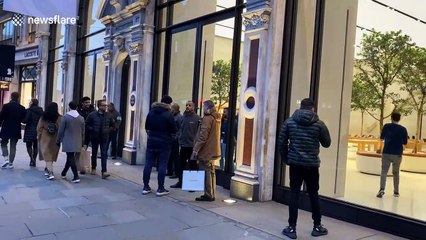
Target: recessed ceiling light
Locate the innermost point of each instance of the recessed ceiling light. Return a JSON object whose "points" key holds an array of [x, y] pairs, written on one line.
{"points": [[230, 201], [118, 164]]}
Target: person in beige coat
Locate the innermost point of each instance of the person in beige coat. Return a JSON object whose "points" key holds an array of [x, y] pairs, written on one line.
{"points": [[207, 149], [47, 131]]}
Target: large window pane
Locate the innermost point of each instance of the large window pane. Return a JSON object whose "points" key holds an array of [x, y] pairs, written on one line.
{"points": [[93, 23], [100, 77], [57, 95], [60, 35], [182, 57], [95, 41], [184, 11], [88, 76]]}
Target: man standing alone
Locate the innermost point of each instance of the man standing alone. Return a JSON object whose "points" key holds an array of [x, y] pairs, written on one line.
{"points": [[116, 116], [11, 117], [395, 136], [305, 132]]}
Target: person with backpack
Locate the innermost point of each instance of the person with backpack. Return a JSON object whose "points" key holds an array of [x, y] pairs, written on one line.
{"points": [[71, 135], [47, 132], [31, 119], [11, 117]]}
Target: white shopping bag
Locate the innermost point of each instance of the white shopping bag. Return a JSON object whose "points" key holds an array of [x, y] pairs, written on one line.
{"points": [[193, 180]]}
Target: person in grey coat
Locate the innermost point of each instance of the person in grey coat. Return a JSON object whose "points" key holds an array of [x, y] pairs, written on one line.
{"points": [[71, 135]]}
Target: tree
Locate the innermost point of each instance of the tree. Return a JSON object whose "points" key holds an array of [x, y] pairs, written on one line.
{"points": [[363, 100], [383, 56], [413, 81], [221, 81]]}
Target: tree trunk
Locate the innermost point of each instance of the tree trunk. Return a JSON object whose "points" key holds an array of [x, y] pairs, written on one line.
{"points": [[362, 122], [418, 125]]}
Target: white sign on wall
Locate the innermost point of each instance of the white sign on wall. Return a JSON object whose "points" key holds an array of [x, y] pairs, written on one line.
{"points": [[26, 54]]}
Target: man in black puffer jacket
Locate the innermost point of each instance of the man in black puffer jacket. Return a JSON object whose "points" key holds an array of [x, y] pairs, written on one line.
{"points": [[160, 126], [300, 139], [99, 125]]}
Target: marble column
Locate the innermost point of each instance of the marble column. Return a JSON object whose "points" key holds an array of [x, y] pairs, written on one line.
{"points": [[42, 63], [68, 64], [253, 179]]}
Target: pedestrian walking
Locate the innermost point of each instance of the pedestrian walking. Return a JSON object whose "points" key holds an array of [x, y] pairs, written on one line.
{"points": [[71, 136], [11, 117], [47, 133], [299, 141], [173, 162], [394, 136], [99, 125], [31, 119], [116, 116], [161, 127], [207, 149], [187, 133], [85, 107]]}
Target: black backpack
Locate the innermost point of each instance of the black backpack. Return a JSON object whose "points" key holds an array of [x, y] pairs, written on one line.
{"points": [[51, 128]]}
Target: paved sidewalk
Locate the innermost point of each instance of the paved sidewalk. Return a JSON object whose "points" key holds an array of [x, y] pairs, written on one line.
{"points": [[34, 208]]}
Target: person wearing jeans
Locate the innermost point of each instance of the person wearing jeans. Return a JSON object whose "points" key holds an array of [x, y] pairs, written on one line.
{"points": [[71, 135], [395, 136], [99, 125], [11, 117], [160, 126], [299, 141]]}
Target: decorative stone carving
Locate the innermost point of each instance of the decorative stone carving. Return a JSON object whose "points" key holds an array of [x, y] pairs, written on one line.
{"points": [[135, 48], [39, 65], [106, 54], [119, 41], [117, 5], [257, 20]]}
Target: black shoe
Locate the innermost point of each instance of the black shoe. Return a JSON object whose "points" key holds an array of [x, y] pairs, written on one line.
{"points": [[114, 158], [380, 193], [168, 174], [162, 192], [173, 176], [146, 190], [204, 198], [290, 232], [319, 230], [32, 164], [177, 185], [82, 172]]}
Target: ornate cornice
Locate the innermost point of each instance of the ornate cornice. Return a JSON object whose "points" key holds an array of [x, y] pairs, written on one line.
{"points": [[135, 48], [257, 20], [106, 54], [127, 12]]}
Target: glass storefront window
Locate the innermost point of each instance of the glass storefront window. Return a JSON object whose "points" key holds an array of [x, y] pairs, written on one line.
{"points": [[95, 41], [99, 78], [88, 76], [184, 11], [93, 24], [60, 35], [57, 95]]}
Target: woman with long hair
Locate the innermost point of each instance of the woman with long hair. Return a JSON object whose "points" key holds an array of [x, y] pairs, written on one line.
{"points": [[47, 131], [31, 119]]}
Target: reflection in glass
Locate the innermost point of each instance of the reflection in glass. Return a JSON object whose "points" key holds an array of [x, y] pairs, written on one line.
{"points": [[95, 41], [184, 11], [182, 66], [88, 76], [57, 95], [93, 23], [100, 77]]}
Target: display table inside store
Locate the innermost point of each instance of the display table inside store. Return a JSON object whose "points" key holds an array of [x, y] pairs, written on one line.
{"points": [[414, 162], [365, 144]]}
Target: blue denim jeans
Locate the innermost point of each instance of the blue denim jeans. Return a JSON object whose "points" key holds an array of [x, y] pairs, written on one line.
{"points": [[162, 155], [104, 154]]}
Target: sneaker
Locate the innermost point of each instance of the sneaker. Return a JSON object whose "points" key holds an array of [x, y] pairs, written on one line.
{"points": [[290, 232], [146, 190], [319, 230], [105, 175], [380, 193], [32, 164], [204, 198], [50, 176], [10, 166], [5, 164], [76, 180], [46, 172], [396, 194], [162, 192]]}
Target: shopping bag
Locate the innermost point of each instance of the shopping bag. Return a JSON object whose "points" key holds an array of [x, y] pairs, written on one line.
{"points": [[83, 162], [193, 180]]}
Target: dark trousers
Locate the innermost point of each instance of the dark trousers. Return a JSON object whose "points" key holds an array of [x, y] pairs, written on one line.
{"points": [[70, 163], [104, 154], [162, 155], [32, 150], [173, 159], [13, 142], [310, 175], [185, 162], [113, 142]]}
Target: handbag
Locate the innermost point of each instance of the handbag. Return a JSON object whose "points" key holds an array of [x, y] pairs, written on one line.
{"points": [[193, 180]]}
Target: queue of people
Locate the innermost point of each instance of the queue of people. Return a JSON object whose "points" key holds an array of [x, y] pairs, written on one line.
{"points": [[46, 131]]}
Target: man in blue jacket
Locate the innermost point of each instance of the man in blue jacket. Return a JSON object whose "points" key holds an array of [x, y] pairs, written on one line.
{"points": [[161, 127], [300, 139]]}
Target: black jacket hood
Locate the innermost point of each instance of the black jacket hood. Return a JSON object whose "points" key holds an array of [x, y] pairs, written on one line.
{"points": [[305, 117], [159, 107], [36, 109]]}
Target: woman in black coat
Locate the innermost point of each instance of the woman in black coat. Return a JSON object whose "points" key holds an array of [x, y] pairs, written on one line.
{"points": [[31, 119]]}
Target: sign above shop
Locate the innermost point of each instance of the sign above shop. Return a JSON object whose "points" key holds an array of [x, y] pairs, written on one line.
{"points": [[4, 86], [26, 54]]}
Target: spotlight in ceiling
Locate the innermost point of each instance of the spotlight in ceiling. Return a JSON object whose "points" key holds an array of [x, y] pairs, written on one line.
{"points": [[230, 201]]}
